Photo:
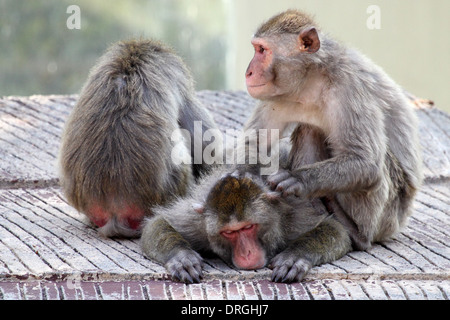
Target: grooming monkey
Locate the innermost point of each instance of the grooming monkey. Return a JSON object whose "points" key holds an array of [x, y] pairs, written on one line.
{"points": [[238, 218], [302, 76], [115, 157]]}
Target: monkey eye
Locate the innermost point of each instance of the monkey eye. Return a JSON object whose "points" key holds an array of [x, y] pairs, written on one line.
{"points": [[247, 227], [228, 233], [261, 49]]}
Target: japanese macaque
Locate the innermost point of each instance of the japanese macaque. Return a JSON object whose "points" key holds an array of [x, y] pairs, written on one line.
{"points": [[239, 219], [115, 158], [373, 169]]}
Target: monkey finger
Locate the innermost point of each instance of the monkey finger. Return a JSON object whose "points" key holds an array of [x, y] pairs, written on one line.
{"points": [[195, 271], [302, 266], [286, 184], [291, 275], [178, 275], [276, 178], [280, 270], [199, 269], [192, 265], [295, 189], [279, 273], [295, 273], [182, 275]]}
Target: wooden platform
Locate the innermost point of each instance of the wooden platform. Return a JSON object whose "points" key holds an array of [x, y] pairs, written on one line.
{"points": [[48, 251]]}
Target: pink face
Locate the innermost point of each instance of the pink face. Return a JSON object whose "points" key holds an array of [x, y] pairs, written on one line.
{"points": [[259, 76], [247, 251]]}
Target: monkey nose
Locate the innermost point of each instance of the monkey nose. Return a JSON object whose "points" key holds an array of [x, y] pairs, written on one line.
{"points": [[248, 74]]}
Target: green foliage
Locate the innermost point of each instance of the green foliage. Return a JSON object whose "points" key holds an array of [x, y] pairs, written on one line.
{"points": [[40, 55]]}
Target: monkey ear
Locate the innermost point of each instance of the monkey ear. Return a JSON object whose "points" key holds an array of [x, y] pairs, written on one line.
{"points": [[198, 207], [309, 40]]}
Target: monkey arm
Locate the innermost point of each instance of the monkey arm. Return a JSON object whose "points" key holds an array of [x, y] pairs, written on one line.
{"points": [[191, 112], [349, 158], [339, 174], [325, 243], [161, 242]]}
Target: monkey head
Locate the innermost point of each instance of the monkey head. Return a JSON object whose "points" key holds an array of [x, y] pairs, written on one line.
{"points": [[241, 221], [282, 46]]}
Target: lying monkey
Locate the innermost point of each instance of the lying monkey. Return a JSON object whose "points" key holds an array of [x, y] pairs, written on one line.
{"points": [[244, 223]]}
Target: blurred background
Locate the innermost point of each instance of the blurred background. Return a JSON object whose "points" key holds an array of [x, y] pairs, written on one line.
{"points": [[41, 52]]}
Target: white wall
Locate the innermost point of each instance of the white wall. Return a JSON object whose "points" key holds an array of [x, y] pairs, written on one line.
{"points": [[412, 45]]}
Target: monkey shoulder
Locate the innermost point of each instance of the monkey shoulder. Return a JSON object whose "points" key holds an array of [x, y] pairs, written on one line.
{"points": [[301, 215], [181, 216]]}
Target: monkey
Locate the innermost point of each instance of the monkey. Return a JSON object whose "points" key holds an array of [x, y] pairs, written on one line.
{"points": [[244, 223], [116, 147], [238, 218], [304, 78]]}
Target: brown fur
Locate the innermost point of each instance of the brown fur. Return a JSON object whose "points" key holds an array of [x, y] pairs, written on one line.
{"points": [[229, 196], [287, 22]]}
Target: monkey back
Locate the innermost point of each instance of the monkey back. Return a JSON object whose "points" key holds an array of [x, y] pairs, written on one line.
{"points": [[116, 147]]}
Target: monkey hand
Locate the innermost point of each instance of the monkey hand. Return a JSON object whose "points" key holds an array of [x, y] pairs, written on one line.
{"points": [[288, 267], [186, 266], [284, 182]]}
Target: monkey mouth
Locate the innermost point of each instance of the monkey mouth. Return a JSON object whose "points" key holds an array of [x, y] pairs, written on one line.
{"points": [[256, 85]]}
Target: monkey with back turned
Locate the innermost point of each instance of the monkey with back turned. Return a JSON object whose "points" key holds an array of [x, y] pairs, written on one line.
{"points": [[302, 76], [115, 156]]}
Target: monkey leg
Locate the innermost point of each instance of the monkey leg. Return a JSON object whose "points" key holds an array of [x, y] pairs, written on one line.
{"points": [[162, 243], [325, 243]]}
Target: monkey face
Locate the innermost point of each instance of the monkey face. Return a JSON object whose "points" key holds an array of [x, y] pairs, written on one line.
{"points": [[246, 249], [259, 75], [280, 45], [246, 239], [236, 241]]}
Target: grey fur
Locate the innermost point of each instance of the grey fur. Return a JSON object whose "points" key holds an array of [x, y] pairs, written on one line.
{"points": [[116, 146], [370, 128], [292, 231]]}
